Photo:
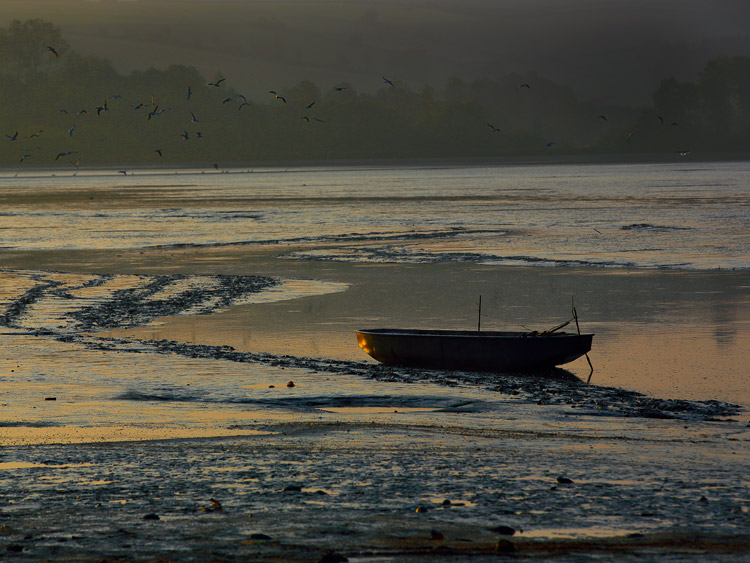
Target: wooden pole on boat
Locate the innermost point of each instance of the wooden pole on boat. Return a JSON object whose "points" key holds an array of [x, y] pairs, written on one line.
{"points": [[479, 314], [575, 313], [575, 316]]}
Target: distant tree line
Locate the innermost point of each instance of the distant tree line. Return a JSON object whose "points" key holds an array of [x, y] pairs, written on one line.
{"points": [[59, 108]]}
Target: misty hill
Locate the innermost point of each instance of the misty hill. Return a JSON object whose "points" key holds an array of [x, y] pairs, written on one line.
{"points": [[609, 51], [62, 108]]}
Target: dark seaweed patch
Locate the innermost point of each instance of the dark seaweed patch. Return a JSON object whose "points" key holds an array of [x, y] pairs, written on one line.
{"points": [[404, 255], [346, 237], [652, 228], [134, 307], [17, 307]]}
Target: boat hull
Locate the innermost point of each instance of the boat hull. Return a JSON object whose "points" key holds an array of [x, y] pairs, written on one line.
{"points": [[472, 350]]}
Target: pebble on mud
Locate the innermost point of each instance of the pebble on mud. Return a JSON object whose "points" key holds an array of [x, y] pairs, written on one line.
{"points": [[505, 546], [503, 530], [215, 506], [333, 557], [422, 509], [290, 384], [564, 481], [436, 535], [292, 489], [151, 516]]}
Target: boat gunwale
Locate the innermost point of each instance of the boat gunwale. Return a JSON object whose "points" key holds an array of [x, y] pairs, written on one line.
{"points": [[444, 333]]}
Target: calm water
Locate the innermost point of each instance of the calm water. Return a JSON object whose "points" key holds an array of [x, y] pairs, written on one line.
{"points": [[682, 216]]}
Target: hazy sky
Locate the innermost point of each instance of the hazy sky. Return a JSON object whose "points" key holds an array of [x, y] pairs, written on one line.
{"points": [[613, 51]]}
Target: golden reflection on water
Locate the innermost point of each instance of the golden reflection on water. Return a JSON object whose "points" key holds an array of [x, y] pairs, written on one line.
{"points": [[681, 363], [21, 436], [576, 533], [29, 465]]}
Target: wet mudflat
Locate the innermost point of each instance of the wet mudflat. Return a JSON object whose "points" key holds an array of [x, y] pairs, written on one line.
{"points": [[179, 378], [118, 445], [395, 486]]}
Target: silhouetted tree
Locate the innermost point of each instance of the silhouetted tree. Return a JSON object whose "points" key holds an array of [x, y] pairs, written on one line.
{"points": [[724, 87], [30, 47]]}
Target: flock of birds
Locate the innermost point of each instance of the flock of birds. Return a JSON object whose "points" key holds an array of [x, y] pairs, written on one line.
{"points": [[155, 110], [602, 117]]}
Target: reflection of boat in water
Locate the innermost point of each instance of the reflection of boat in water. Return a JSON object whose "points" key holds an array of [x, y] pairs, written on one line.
{"points": [[473, 350]]}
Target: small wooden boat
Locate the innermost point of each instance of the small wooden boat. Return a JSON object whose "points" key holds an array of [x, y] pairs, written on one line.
{"points": [[473, 350]]}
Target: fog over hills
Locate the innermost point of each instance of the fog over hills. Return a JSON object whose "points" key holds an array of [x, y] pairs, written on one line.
{"points": [[609, 51]]}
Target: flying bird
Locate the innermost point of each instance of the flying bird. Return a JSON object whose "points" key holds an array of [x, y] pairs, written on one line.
{"points": [[24, 157], [602, 117], [311, 104], [13, 137], [70, 131], [67, 153], [242, 104], [551, 143], [185, 135], [389, 82], [493, 128], [227, 100], [37, 134], [189, 92], [158, 151], [282, 98], [217, 83], [193, 118], [306, 118], [53, 51], [340, 88], [660, 118], [525, 85]]}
